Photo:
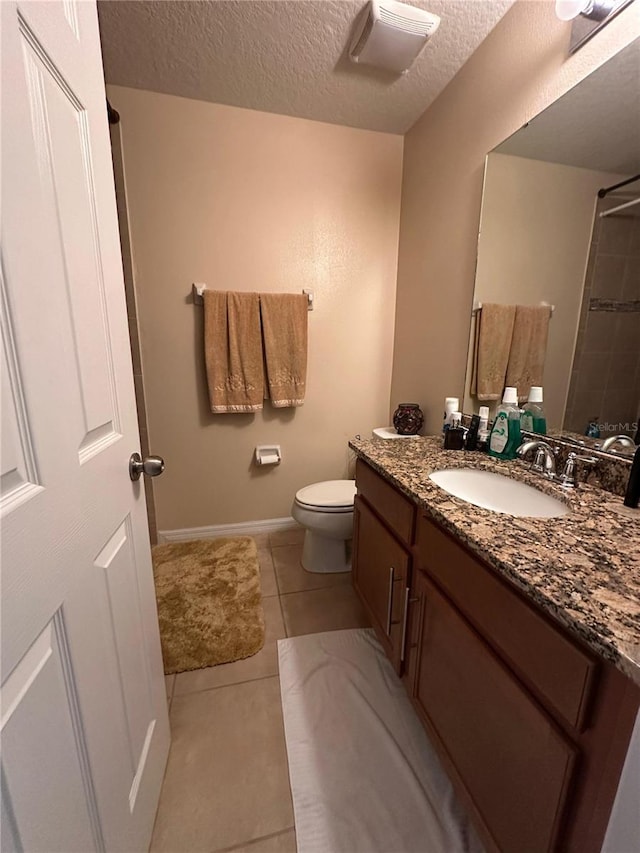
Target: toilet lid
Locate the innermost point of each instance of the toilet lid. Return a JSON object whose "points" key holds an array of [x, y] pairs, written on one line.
{"points": [[331, 493]]}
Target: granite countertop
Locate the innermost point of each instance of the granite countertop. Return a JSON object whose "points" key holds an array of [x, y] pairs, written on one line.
{"points": [[583, 569]]}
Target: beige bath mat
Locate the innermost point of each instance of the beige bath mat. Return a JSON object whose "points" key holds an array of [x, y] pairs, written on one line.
{"points": [[209, 602]]}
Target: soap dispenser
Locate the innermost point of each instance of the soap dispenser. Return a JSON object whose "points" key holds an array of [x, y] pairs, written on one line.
{"points": [[505, 434]]}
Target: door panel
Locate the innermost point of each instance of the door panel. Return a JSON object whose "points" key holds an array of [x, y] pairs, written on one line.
{"points": [[63, 149], [19, 479], [48, 799], [116, 563]]}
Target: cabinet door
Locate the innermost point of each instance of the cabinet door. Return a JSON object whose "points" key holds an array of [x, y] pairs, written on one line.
{"points": [[380, 573], [512, 763], [521, 634]]}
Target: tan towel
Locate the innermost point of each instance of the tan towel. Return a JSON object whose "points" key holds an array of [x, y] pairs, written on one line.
{"points": [[284, 335], [494, 329], [233, 351], [528, 348]]}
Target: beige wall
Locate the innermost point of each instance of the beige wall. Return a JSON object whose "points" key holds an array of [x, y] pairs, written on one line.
{"points": [[244, 200], [517, 71], [536, 226]]}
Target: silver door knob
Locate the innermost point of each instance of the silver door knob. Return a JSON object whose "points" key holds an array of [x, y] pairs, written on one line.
{"points": [[151, 466]]}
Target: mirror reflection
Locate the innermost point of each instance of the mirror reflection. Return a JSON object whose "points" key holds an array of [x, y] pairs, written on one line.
{"points": [[547, 239]]}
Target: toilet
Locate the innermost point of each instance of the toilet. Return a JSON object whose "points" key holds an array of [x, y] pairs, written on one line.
{"points": [[326, 511]]}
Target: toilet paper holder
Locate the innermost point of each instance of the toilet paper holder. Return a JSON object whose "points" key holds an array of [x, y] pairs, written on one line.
{"points": [[268, 454]]}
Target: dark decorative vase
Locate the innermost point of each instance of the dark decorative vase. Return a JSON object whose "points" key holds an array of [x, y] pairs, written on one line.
{"points": [[408, 419]]}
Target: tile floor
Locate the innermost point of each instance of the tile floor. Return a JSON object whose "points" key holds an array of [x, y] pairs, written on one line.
{"points": [[227, 782]]}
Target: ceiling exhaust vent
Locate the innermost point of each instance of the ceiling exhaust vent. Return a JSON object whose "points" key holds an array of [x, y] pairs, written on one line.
{"points": [[391, 35]]}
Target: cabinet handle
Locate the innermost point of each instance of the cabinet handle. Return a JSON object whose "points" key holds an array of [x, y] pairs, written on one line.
{"points": [[390, 600], [404, 623], [407, 602]]}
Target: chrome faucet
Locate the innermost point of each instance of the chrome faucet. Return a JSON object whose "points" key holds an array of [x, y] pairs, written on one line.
{"points": [[545, 459], [617, 439], [569, 477]]}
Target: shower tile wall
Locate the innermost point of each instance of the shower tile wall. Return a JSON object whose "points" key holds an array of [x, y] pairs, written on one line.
{"points": [[605, 381]]}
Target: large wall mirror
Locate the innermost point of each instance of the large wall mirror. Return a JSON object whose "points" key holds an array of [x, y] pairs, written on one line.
{"points": [[543, 240]]}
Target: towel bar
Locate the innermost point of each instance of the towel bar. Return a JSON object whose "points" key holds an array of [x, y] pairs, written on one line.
{"points": [[197, 289], [478, 307]]}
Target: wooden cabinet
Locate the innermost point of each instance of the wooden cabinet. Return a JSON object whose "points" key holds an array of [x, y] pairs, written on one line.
{"points": [[395, 510], [384, 522], [532, 727], [560, 673], [514, 765], [380, 576]]}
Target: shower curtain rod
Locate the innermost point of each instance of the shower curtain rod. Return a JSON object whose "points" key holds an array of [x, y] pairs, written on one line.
{"points": [[605, 190], [620, 207]]}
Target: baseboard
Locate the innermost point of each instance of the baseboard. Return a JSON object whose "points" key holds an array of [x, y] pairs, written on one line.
{"points": [[243, 528]]}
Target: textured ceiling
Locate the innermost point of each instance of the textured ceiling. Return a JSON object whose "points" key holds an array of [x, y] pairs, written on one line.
{"points": [[284, 56], [596, 125]]}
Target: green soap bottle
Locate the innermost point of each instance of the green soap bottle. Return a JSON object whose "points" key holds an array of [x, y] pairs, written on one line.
{"points": [[505, 435], [533, 417]]}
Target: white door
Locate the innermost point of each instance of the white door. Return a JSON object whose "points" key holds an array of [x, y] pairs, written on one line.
{"points": [[84, 720]]}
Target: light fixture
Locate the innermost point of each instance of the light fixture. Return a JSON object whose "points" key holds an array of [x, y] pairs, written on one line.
{"points": [[588, 16], [595, 10]]}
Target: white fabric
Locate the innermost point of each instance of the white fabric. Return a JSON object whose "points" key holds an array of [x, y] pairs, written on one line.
{"points": [[364, 777]]}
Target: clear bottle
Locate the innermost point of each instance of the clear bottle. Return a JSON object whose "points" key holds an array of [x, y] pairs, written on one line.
{"points": [[451, 405], [533, 417], [483, 431], [505, 435], [484, 417]]}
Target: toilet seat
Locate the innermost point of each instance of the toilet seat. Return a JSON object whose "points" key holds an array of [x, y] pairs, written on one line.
{"points": [[329, 496]]}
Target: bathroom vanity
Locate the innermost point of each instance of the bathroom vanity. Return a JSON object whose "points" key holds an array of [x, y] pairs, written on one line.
{"points": [[514, 638]]}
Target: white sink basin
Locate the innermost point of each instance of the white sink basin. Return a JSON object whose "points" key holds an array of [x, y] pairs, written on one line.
{"points": [[498, 493]]}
